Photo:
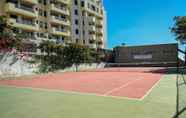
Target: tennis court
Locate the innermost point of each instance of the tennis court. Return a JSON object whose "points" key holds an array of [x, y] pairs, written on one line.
{"points": [[130, 83]]}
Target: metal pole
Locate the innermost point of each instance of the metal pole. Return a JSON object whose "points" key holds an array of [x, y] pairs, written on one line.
{"points": [[177, 89], [185, 57]]}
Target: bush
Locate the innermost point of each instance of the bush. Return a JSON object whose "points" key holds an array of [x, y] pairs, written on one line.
{"points": [[58, 57]]}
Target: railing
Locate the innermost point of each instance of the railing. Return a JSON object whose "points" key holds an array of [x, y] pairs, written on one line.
{"points": [[62, 19], [92, 19], [61, 30], [26, 22], [61, 8], [24, 8]]}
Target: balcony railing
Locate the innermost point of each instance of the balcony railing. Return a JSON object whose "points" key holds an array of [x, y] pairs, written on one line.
{"points": [[92, 30], [63, 1], [20, 9], [92, 19], [23, 24], [31, 1], [99, 30], [61, 19], [57, 8], [61, 8], [25, 8], [99, 23], [60, 30], [93, 36], [26, 22]]}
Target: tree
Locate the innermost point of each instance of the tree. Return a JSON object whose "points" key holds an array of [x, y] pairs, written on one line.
{"points": [[48, 47], [97, 56], [179, 28], [76, 54], [53, 57], [59, 57], [8, 38]]}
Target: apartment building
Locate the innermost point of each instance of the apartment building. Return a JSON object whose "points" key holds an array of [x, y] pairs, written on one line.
{"points": [[61, 21], [88, 19]]}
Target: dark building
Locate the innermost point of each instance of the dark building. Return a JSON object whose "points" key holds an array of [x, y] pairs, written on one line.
{"points": [[162, 53]]}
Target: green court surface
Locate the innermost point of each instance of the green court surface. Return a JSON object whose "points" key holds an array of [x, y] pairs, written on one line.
{"points": [[32, 103]]}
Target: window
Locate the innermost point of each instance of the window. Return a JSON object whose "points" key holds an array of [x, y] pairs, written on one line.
{"points": [[77, 40], [40, 1], [41, 24], [83, 13], [45, 14], [76, 22], [13, 16], [44, 2], [63, 38], [77, 31], [75, 2], [40, 12], [97, 10], [82, 3], [76, 12], [46, 25], [93, 7]]}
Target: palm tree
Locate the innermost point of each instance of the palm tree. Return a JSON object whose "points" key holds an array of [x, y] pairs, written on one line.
{"points": [[179, 29]]}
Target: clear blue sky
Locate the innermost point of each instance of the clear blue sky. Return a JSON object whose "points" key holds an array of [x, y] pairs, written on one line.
{"points": [[138, 22]]}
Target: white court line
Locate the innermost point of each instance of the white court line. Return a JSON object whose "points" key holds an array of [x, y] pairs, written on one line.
{"points": [[150, 90], [72, 92], [122, 86]]}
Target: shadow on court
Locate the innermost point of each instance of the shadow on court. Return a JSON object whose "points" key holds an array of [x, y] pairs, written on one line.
{"points": [[171, 70]]}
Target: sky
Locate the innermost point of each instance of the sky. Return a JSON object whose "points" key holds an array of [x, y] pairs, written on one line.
{"points": [[142, 22]]}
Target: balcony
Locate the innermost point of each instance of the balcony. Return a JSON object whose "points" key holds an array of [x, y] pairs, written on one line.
{"points": [[93, 37], [99, 23], [93, 46], [100, 42], [20, 10], [100, 31], [31, 1], [60, 21], [62, 10], [92, 28], [23, 25], [99, 15], [92, 19], [63, 1], [100, 46], [61, 32]]}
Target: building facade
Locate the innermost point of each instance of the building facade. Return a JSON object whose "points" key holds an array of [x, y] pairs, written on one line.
{"points": [[89, 23], [162, 53], [54, 20]]}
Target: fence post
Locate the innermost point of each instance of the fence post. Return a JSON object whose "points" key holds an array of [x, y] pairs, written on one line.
{"points": [[177, 89]]}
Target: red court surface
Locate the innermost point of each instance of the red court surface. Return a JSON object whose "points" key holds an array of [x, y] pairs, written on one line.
{"points": [[132, 83]]}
